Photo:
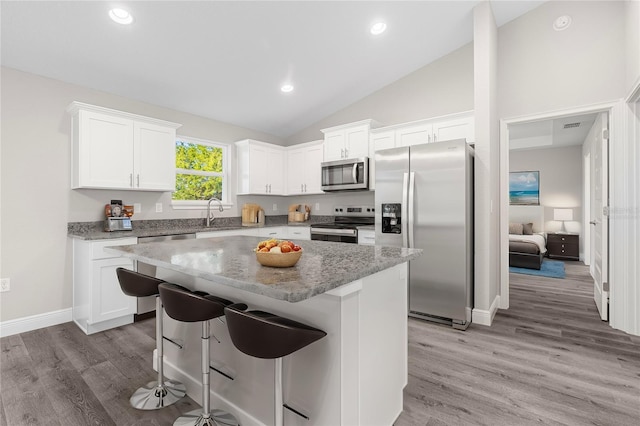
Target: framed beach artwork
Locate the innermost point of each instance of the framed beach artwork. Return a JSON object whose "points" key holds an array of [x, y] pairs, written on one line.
{"points": [[524, 188]]}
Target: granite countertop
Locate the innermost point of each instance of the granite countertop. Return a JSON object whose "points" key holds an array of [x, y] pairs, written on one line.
{"points": [[231, 261], [154, 228]]}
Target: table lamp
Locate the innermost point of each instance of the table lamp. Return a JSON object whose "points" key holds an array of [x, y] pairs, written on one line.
{"points": [[563, 215]]}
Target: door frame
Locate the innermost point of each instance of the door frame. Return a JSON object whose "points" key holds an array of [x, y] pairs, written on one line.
{"points": [[613, 108]]}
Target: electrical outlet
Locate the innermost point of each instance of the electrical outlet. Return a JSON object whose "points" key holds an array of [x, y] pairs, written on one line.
{"points": [[317, 207], [137, 208], [158, 207], [5, 284], [275, 207]]}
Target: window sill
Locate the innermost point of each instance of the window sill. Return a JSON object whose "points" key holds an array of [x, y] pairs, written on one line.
{"points": [[198, 205]]}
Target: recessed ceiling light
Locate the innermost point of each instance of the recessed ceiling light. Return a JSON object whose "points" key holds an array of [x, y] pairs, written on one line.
{"points": [[378, 28], [286, 88], [121, 16], [562, 23]]}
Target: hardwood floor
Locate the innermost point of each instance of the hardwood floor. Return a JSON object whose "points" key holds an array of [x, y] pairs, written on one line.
{"points": [[547, 360]]}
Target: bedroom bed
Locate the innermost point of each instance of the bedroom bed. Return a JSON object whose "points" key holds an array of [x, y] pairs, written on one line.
{"points": [[527, 243]]}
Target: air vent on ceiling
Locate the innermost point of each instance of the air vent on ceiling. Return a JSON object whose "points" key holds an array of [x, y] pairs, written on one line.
{"points": [[571, 125]]}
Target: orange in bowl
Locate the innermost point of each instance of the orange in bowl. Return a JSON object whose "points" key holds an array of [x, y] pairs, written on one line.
{"points": [[278, 260]]}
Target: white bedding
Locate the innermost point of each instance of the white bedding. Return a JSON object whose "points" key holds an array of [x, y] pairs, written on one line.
{"points": [[535, 238]]}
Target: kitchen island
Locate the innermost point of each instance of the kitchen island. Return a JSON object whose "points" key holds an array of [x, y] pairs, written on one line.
{"points": [[357, 294]]}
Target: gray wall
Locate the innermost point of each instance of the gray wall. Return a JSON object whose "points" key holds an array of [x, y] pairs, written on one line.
{"points": [[37, 201], [560, 181], [543, 70], [633, 42], [442, 87]]}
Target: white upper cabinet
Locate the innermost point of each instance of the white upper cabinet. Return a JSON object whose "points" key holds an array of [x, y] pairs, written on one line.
{"points": [[117, 150], [303, 168], [260, 168], [347, 141], [153, 146], [455, 126]]}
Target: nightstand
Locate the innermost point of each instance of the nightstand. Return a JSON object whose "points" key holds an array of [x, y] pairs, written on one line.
{"points": [[563, 246]]}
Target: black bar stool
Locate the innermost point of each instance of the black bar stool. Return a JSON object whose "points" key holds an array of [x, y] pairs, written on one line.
{"points": [[184, 305], [269, 336], [160, 393]]}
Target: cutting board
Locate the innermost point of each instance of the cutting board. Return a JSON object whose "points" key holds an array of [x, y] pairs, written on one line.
{"points": [[252, 215], [299, 212]]}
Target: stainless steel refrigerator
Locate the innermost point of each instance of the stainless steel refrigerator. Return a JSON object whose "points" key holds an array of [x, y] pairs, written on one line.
{"points": [[424, 199]]}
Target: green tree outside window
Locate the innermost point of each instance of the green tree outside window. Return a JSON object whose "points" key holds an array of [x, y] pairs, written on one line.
{"points": [[199, 171]]}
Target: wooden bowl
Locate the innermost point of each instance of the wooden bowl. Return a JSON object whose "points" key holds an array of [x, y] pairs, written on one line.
{"points": [[279, 260]]}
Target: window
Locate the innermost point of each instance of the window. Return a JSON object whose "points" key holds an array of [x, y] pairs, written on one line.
{"points": [[201, 172]]}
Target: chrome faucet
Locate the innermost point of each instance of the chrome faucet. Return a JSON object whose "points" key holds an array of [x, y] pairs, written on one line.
{"points": [[209, 215]]}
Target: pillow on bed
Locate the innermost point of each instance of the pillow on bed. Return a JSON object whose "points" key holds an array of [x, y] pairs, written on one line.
{"points": [[527, 228], [515, 228]]}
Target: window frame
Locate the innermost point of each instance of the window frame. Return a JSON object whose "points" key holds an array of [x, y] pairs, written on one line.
{"points": [[226, 163]]}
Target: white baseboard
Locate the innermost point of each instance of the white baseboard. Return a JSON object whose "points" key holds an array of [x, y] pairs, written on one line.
{"points": [[34, 322], [485, 317]]}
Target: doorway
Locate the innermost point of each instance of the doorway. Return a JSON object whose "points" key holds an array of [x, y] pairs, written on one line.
{"points": [[520, 127]]}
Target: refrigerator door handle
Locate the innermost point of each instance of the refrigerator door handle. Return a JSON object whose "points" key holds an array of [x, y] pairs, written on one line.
{"points": [[412, 181], [405, 204]]}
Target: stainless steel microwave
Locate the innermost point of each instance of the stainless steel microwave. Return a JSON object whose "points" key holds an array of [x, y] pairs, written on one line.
{"points": [[342, 175]]}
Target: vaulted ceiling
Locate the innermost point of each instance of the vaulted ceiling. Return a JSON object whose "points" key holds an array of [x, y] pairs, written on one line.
{"points": [[227, 60]]}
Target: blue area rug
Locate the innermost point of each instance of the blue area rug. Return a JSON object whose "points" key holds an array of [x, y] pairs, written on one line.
{"points": [[550, 268]]}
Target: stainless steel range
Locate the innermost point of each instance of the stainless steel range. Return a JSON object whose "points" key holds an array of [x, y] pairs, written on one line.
{"points": [[344, 228]]}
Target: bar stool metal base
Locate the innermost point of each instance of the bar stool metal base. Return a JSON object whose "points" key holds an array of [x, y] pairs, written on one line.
{"points": [[216, 418], [153, 397]]}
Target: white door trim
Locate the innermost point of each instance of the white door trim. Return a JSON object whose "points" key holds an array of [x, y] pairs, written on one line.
{"points": [[504, 178]]}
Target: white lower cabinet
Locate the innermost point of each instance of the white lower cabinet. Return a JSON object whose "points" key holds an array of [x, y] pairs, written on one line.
{"points": [[228, 232], [279, 232], [98, 302], [302, 233]]}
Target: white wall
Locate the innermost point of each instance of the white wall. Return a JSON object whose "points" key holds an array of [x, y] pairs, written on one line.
{"points": [[632, 13], [487, 165], [542, 70], [37, 201], [560, 181], [442, 87]]}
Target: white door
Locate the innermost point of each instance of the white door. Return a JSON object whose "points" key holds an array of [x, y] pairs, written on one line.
{"points": [[154, 156], [313, 176], [106, 151], [295, 171], [600, 220]]}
